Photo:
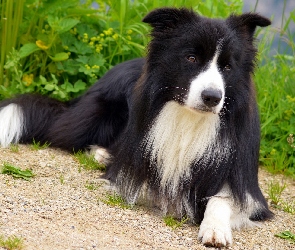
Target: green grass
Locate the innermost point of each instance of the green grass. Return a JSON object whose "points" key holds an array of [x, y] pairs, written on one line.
{"points": [[11, 243], [92, 186], [274, 192], [36, 145], [88, 162], [274, 78], [116, 200], [16, 172], [170, 221], [62, 179], [14, 148]]}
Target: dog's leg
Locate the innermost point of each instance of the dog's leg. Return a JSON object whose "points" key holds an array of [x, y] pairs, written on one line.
{"points": [[100, 154], [215, 229]]}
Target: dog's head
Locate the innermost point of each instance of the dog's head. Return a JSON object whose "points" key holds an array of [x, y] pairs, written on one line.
{"points": [[199, 62]]}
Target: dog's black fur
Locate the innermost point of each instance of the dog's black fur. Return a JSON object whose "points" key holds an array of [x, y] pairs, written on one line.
{"points": [[118, 112]]}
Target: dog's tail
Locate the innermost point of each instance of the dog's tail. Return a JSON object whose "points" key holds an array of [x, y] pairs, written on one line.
{"points": [[28, 117]]}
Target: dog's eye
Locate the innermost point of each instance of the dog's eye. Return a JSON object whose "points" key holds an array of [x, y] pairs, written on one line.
{"points": [[227, 67], [191, 58]]}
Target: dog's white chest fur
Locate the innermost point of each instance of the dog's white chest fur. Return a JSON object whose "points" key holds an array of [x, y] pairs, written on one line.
{"points": [[178, 137]]}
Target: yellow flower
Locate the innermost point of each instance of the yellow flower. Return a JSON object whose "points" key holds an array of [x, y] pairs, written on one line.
{"points": [[129, 32], [108, 32], [28, 79], [42, 45], [115, 36]]}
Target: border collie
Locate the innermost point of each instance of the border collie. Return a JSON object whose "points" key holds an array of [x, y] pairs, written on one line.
{"points": [[179, 128]]}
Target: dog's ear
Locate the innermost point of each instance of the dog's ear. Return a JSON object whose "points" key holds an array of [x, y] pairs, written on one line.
{"points": [[167, 18], [248, 22]]}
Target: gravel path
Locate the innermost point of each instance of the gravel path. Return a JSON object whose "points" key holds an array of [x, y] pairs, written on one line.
{"points": [[56, 211]]}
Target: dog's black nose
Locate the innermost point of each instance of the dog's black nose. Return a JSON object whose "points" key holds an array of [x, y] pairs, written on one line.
{"points": [[211, 97]]}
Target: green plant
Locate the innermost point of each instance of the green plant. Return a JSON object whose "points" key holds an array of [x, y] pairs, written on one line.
{"points": [[88, 162], [11, 18], [92, 186], [14, 148], [62, 179], [286, 235], [174, 223], [11, 243], [39, 146], [288, 207], [274, 79], [274, 192], [17, 172], [116, 200], [63, 46]]}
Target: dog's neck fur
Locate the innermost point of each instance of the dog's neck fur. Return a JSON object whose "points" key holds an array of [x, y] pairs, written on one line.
{"points": [[178, 137]]}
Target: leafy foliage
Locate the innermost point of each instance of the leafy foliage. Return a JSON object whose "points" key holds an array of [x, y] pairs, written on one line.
{"points": [[63, 46], [287, 235], [275, 78], [17, 172]]}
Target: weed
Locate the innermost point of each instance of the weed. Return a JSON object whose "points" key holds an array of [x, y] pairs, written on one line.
{"points": [[14, 148], [288, 207], [92, 186], [170, 221], [116, 200], [274, 192], [17, 172], [11, 243], [61, 179], [88, 162], [38, 146], [287, 235]]}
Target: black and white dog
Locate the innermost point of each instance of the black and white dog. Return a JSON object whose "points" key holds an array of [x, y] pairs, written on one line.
{"points": [[179, 128]]}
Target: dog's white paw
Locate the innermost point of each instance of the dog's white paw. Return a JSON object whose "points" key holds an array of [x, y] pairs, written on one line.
{"points": [[215, 233], [100, 154]]}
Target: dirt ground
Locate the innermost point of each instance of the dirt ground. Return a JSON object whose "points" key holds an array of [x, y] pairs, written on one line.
{"points": [[55, 210]]}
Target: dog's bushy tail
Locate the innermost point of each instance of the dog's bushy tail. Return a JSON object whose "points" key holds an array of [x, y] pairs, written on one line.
{"points": [[28, 117]]}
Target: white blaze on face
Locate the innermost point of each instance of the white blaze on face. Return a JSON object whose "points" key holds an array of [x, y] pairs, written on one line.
{"points": [[212, 79]]}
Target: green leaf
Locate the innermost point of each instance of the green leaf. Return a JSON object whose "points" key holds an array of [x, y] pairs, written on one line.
{"points": [[83, 59], [96, 59], [79, 85], [286, 235], [17, 172], [68, 87], [28, 49], [49, 87], [53, 22], [80, 48], [66, 24], [60, 57]]}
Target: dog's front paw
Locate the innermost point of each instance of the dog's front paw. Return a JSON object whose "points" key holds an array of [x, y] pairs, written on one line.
{"points": [[100, 154], [214, 233]]}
